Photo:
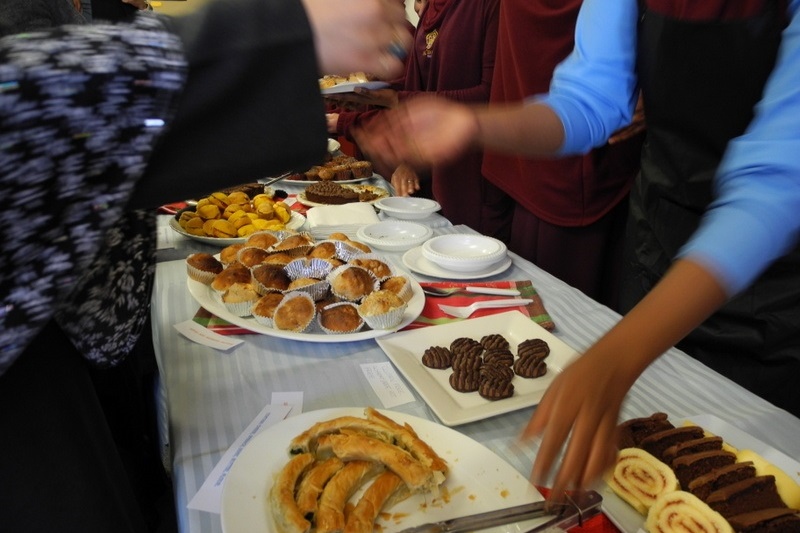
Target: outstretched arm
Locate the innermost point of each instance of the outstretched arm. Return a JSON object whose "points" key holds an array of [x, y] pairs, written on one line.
{"points": [[585, 399]]}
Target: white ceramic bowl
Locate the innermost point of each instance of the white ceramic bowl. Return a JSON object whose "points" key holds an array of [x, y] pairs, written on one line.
{"points": [[407, 207], [394, 235], [464, 252]]}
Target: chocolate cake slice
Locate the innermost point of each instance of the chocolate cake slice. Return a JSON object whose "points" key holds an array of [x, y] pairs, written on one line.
{"points": [[780, 520], [704, 444], [656, 443], [704, 485], [752, 494], [631, 432], [690, 467]]}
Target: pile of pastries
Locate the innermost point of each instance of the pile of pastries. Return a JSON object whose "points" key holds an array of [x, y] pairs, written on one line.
{"points": [[235, 214], [288, 281], [334, 459], [335, 168], [332, 80]]}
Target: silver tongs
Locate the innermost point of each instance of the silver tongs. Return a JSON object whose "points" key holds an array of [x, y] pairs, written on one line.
{"points": [[577, 507]]}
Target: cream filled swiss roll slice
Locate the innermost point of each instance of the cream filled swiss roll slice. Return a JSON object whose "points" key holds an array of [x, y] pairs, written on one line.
{"points": [[682, 512], [639, 478]]}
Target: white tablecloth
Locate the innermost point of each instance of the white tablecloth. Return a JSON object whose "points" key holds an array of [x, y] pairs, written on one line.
{"points": [[210, 396]]}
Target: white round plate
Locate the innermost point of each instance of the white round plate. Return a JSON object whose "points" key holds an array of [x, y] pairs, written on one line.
{"points": [[383, 193], [350, 86], [415, 262], [394, 235], [478, 480], [295, 223], [208, 298], [340, 182]]}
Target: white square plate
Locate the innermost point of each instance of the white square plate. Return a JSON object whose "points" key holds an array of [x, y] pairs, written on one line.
{"points": [[405, 350]]}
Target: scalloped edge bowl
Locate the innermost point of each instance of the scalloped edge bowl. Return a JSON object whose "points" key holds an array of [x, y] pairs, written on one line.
{"points": [[408, 207], [464, 252], [394, 235]]}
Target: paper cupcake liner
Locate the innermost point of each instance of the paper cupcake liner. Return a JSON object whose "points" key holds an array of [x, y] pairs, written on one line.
{"points": [[406, 292], [388, 320], [317, 291], [335, 331], [202, 276], [304, 267], [240, 308], [260, 287], [346, 252], [302, 328], [333, 276]]}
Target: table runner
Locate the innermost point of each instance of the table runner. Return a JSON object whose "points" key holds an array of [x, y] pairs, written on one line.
{"points": [[431, 315]]}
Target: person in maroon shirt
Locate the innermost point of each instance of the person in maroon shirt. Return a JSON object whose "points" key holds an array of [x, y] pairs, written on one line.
{"points": [[453, 56], [568, 214]]}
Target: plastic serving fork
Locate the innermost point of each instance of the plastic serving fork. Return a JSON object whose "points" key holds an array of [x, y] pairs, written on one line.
{"points": [[467, 310]]}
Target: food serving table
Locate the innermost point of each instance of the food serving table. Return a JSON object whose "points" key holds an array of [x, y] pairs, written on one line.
{"points": [[209, 397]]}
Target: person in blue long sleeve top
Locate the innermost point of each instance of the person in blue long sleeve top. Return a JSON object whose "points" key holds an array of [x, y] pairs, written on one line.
{"points": [[715, 215]]}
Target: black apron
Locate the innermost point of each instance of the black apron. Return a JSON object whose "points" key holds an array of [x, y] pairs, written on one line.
{"points": [[700, 81]]}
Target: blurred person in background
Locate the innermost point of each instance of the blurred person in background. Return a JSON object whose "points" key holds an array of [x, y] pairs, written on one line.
{"points": [[453, 56], [568, 213], [99, 125], [712, 252]]}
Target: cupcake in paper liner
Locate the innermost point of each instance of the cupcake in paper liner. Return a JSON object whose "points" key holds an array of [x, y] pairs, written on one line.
{"points": [[400, 285], [324, 250], [251, 256], [375, 263], [382, 310], [230, 254], [308, 267], [270, 278], [296, 312], [263, 309], [316, 288], [296, 245], [235, 273], [239, 298], [203, 267], [263, 239], [340, 318], [346, 251], [352, 283]]}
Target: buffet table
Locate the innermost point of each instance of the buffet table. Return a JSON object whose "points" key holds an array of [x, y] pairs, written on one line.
{"points": [[211, 396]]}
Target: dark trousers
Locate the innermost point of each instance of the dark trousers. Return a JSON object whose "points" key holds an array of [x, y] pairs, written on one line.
{"points": [[76, 450]]}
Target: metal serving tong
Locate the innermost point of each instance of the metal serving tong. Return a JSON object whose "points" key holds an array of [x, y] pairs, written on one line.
{"points": [[577, 507]]}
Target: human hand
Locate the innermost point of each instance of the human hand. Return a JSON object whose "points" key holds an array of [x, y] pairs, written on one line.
{"points": [[373, 97], [585, 399], [636, 126], [405, 181], [138, 4], [359, 35], [422, 132], [332, 120]]}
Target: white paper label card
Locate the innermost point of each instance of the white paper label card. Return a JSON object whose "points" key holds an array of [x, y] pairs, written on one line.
{"points": [[387, 384], [197, 333], [294, 400]]}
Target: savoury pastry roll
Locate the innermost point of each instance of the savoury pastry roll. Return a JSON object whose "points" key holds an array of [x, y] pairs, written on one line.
{"points": [[378, 495], [330, 512], [286, 515], [313, 483]]}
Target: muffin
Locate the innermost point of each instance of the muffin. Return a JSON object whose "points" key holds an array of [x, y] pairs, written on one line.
{"points": [[230, 253], [374, 264], [280, 258], [270, 278], [398, 285], [323, 250], [340, 318], [261, 239], [235, 273], [352, 283], [293, 242], [263, 309], [203, 267], [239, 298], [382, 309], [295, 312], [251, 256], [361, 169]]}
